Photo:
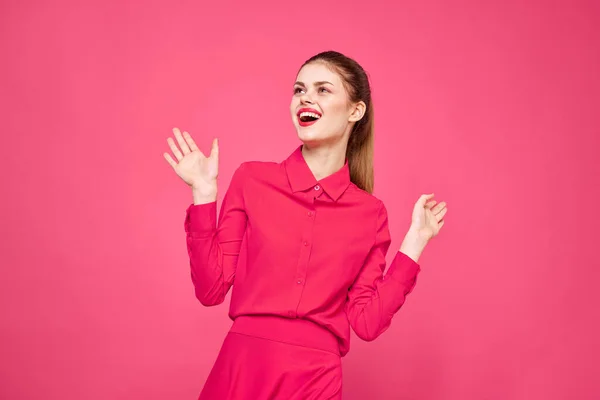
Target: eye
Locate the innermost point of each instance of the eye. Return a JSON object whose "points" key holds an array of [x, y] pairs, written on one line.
{"points": [[324, 89], [297, 90]]}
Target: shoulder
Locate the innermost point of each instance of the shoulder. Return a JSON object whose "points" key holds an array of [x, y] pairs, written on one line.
{"points": [[257, 172], [368, 200], [372, 209], [256, 169]]}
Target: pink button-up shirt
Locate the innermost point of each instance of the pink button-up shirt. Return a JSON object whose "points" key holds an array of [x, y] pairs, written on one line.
{"points": [[313, 250]]}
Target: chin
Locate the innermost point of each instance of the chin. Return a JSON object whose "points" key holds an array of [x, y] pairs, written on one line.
{"points": [[309, 135]]}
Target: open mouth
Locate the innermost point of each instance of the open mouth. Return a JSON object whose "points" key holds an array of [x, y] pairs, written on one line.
{"points": [[307, 117]]}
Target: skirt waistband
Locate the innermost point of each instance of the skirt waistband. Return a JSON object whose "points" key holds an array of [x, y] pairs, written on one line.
{"points": [[300, 332]]}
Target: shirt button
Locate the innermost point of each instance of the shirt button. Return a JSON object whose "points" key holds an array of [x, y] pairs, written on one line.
{"points": [[291, 313], [299, 282], [305, 243], [317, 187], [310, 213]]}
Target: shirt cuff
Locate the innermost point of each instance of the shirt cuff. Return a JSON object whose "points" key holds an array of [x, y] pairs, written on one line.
{"points": [[201, 219], [404, 270]]}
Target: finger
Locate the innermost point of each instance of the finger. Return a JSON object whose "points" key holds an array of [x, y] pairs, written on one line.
{"points": [[439, 207], [214, 150], [190, 142], [441, 214], [430, 204], [423, 199], [174, 149], [441, 224], [170, 160], [184, 147]]}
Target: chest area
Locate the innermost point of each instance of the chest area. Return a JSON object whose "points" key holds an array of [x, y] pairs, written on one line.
{"points": [[296, 226]]}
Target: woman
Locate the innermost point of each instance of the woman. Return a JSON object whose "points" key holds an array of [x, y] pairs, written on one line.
{"points": [[316, 241]]}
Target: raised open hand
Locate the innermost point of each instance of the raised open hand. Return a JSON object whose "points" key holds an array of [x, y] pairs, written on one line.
{"points": [[197, 170]]}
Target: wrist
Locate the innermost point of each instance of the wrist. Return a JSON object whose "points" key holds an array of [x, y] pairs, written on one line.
{"points": [[204, 195], [417, 236], [413, 244]]}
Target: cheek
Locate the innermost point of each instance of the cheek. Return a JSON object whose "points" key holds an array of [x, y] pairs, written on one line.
{"points": [[293, 105], [336, 110]]}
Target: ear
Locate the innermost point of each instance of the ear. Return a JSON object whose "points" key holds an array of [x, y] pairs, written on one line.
{"points": [[358, 111]]}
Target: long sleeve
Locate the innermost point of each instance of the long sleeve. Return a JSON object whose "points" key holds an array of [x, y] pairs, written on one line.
{"points": [[374, 298], [214, 247]]}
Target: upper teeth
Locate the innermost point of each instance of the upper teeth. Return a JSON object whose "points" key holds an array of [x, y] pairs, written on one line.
{"points": [[309, 114]]}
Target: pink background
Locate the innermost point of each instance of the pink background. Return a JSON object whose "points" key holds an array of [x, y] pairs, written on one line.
{"points": [[494, 106]]}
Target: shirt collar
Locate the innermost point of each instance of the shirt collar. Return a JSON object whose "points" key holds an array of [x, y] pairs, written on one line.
{"points": [[301, 177]]}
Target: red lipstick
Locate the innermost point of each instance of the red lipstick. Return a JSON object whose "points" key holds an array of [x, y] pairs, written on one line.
{"points": [[312, 120]]}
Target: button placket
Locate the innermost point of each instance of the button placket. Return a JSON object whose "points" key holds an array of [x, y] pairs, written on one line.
{"points": [[305, 248]]}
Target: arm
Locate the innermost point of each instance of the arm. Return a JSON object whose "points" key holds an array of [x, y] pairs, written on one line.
{"points": [[214, 247], [374, 298]]}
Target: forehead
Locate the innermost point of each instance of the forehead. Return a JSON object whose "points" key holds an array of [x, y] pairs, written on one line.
{"points": [[317, 72]]}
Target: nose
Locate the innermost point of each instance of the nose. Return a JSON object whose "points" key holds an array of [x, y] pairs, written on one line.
{"points": [[305, 98]]}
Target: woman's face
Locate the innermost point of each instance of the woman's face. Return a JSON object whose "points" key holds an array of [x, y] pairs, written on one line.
{"points": [[320, 106]]}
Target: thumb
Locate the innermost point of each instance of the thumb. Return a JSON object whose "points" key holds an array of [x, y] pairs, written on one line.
{"points": [[214, 151], [424, 198]]}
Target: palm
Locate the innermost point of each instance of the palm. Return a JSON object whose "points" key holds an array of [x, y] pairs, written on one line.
{"points": [[196, 169], [192, 166], [427, 217]]}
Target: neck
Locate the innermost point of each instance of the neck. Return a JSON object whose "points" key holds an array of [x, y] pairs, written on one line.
{"points": [[325, 159]]}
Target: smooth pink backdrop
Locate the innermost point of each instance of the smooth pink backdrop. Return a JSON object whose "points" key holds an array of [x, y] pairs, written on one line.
{"points": [[493, 105]]}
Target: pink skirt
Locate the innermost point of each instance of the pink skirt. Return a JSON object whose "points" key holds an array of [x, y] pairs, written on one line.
{"points": [[267, 357]]}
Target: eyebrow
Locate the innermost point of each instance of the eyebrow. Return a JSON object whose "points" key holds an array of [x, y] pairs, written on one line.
{"points": [[316, 83]]}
